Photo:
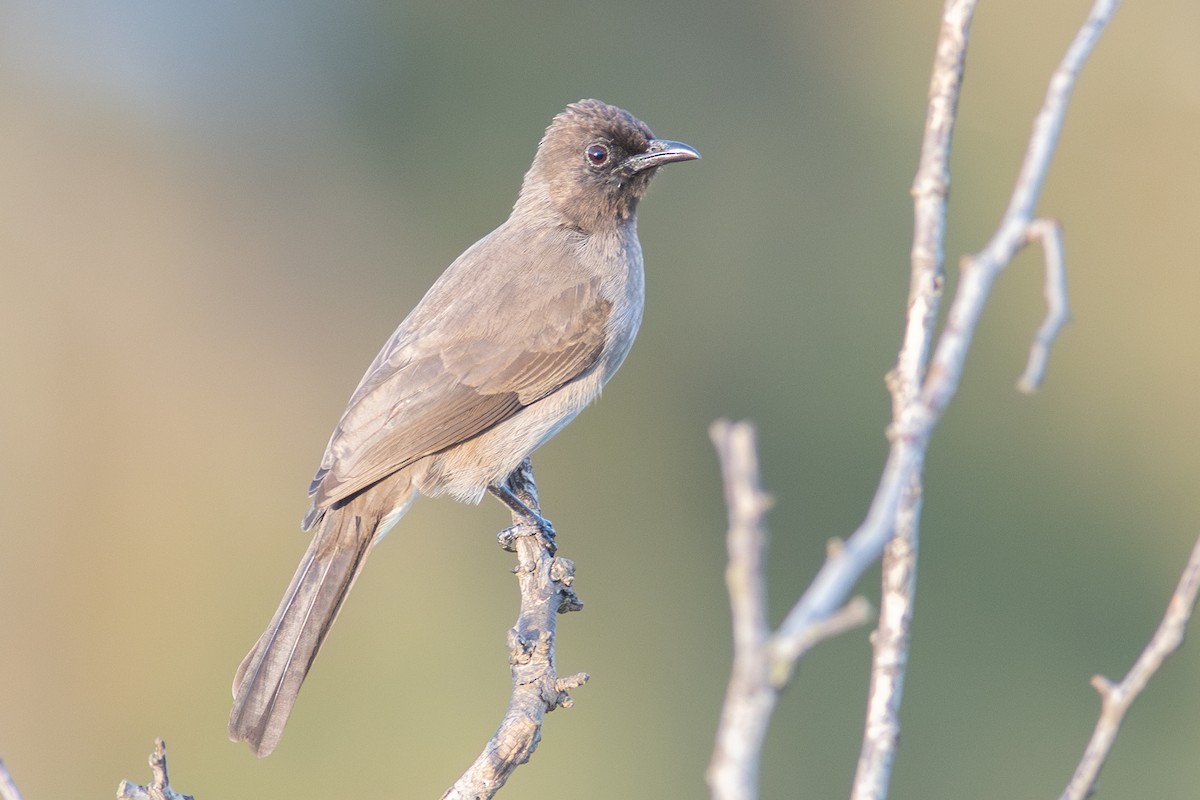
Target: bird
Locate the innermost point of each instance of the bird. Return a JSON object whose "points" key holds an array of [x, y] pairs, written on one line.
{"points": [[514, 339]]}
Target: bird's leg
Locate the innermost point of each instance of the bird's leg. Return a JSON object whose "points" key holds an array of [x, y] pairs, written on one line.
{"points": [[529, 519]]}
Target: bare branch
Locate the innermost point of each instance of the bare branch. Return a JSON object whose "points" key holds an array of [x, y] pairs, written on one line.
{"points": [[750, 698], [758, 673], [1049, 233], [1047, 126], [160, 787], [930, 190], [747, 539], [914, 421], [981, 269], [545, 583], [1116, 698], [921, 386], [881, 731]]}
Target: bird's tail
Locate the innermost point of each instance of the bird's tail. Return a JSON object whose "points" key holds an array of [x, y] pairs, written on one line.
{"points": [[269, 678]]}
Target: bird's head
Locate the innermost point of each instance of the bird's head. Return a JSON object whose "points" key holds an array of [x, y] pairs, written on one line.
{"points": [[594, 164]]}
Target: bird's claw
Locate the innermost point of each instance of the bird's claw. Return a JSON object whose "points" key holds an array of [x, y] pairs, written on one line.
{"points": [[536, 525]]}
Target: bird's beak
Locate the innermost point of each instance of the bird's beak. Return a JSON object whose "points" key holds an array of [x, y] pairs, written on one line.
{"points": [[659, 152]]}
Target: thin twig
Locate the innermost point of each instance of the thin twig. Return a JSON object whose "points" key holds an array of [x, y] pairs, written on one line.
{"points": [[1049, 233], [856, 613], [545, 582], [1116, 698]]}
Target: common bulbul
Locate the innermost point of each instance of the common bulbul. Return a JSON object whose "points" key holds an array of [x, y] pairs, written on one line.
{"points": [[507, 346]]}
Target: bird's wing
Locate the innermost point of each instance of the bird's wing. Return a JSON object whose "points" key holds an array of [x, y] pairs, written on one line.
{"points": [[422, 396]]}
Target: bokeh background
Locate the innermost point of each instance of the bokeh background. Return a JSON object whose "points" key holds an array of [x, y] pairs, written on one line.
{"points": [[212, 214]]}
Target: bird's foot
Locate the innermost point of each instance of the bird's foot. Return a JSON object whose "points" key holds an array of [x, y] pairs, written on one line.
{"points": [[531, 522], [537, 526]]}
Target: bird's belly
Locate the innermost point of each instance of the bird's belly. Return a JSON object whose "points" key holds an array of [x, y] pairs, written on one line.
{"points": [[465, 471]]}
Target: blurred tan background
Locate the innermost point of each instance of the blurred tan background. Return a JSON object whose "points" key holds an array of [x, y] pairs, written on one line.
{"points": [[213, 214]]}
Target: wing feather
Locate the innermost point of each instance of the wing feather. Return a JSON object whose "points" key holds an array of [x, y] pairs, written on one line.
{"points": [[420, 398]]}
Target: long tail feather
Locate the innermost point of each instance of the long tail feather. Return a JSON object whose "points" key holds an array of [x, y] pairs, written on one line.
{"points": [[269, 678]]}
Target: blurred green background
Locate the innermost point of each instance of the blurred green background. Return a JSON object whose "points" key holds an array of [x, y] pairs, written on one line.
{"points": [[213, 214]]}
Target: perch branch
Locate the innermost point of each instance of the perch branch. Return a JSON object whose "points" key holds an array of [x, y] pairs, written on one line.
{"points": [[545, 584], [160, 787], [1116, 698]]}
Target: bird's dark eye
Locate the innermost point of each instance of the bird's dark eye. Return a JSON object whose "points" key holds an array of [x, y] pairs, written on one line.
{"points": [[597, 154]]}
